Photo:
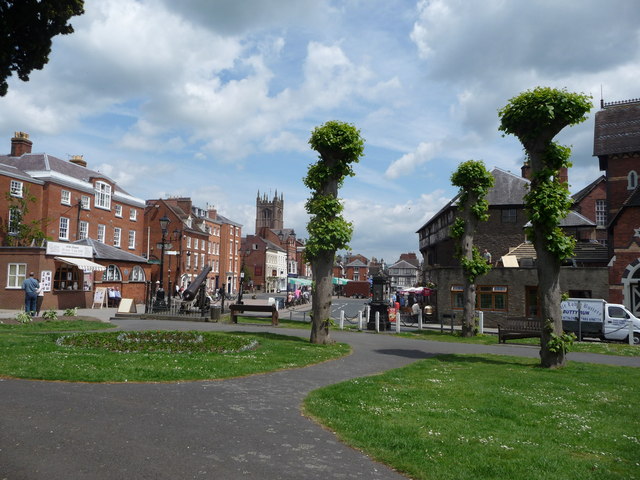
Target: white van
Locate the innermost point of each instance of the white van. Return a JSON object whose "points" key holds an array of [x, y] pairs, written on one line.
{"points": [[588, 317]]}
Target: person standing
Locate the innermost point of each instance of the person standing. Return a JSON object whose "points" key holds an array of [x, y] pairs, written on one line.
{"points": [[30, 287], [40, 300]]}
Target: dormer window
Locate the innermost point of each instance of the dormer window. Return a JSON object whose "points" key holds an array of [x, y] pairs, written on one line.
{"points": [[103, 195]]}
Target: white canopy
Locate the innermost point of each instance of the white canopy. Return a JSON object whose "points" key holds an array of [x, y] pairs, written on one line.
{"points": [[82, 263]]}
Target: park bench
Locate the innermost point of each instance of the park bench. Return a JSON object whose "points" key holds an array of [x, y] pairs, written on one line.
{"points": [[512, 328], [239, 309]]}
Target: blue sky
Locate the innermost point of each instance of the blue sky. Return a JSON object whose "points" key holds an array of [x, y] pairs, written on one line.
{"points": [[216, 99]]}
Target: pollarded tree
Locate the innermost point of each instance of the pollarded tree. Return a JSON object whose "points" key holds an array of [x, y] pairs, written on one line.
{"points": [[535, 117], [26, 30], [339, 146], [474, 181]]}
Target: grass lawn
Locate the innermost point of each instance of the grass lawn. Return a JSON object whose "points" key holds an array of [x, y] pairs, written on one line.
{"points": [[606, 348], [33, 351], [483, 416]]}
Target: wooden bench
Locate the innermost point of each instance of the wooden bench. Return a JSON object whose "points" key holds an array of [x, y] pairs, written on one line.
{"points": [[238, 309], [512, 328]]}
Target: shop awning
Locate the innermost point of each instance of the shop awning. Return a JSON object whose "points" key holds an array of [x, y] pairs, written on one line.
{"points": [[82, 263]]}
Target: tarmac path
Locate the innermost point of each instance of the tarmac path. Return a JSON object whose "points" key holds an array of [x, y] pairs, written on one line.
{"points": [[249, 428]]}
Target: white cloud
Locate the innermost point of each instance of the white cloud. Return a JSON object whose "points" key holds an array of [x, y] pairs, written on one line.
{"points": [[406, 164]]}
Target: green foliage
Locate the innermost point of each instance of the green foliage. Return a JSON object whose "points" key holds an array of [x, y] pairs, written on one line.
{"points": [[457, 229], [26, 30], [339, 145], [473, 178], [20, 233], [50, 314], [474, 267], [71, 312], [543, 109], [558, 343], [474, 181], [537, 116], [23, 317]]}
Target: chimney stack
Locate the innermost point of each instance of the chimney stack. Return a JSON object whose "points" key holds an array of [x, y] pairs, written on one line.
{"points": [[526, 171], [20, 144], [78, 160], [563, 175]]}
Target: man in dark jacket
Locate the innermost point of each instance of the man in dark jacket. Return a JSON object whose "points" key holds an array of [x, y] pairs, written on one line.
{"points": [[30, 287]]}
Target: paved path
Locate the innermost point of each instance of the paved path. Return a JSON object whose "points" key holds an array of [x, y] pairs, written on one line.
{"points": [[249, 428]]}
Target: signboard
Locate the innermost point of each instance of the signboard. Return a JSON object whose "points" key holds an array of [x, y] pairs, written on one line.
{"points": [[127, 306], [167, 246], [99, 297], [172, 252], [69, 250], [392, 315], [45, 280]]}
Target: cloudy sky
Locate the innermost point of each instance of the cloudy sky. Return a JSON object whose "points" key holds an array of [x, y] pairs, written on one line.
{"points": [[216, 99]]}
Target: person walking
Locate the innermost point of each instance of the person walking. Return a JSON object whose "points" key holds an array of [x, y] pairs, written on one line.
{"points": [[30, 287]]}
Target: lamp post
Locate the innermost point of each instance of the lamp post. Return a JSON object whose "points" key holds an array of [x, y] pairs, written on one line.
{"points": [[164, 223]]}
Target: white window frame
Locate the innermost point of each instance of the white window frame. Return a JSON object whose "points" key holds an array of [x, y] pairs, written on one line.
{"points": [[133, 214], [132, 239], [117, 236], [601, 213], [102, 195], [112, 274], [137, 274], [85, 202], [16, 188], [195, 261], [118, 210], [65, 197], [188, 242], [102, 233], [16, 274], [13, 226], [83, 230], [63, 229]]}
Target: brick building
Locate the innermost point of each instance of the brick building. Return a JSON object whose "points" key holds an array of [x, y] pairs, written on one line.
{"points": [[510, 288], [194, 238], [617, 146], [591, 202], [65, 202]]}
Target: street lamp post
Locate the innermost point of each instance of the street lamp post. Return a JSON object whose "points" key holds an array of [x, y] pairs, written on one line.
{"points": [[164, 223]]}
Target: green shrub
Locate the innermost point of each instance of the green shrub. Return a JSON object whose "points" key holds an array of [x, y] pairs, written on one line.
{"points": [[50, 314]]}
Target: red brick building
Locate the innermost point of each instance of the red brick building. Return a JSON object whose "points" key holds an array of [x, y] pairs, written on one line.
{"points": [[617, 146], [66, 203], [195, 237], [591, 202]]}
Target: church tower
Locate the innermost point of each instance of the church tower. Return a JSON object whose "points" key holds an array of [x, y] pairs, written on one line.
{"points": [[269, 213]]}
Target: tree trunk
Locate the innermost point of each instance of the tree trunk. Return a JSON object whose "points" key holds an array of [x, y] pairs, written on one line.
{"points": [[321, 296], [469, 294], [549, 291], [550, 297]]}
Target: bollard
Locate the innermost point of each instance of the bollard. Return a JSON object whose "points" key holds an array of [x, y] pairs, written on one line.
{"points": [[360, 320], [398, 321], [378, 322], [630, 332], [420, 320], [290, 314], [341, 319], [368, 312], [480, 322]]}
